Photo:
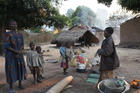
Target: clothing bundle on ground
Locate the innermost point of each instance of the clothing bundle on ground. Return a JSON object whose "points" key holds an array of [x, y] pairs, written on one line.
{"points": [[93, 78], [82, 58]]}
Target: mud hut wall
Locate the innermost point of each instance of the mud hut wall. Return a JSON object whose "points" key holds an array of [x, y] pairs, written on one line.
{"points": [[130, 31]]}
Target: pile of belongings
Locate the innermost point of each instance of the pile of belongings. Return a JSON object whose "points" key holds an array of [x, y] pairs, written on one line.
{"points": [[74, 60]]}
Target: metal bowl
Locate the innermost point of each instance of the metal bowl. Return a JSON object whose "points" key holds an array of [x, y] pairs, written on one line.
{"points": [[110, 86]]}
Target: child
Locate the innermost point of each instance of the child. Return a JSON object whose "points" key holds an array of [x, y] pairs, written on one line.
{"points": [[34, 62], [41, 68], [64, 61]]}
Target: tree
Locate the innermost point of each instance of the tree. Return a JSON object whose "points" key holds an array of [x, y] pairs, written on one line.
{"points": [[69, 12], [106, 2], [133, 5], [118, 18], [27, 13], [83, 15], [60, 21]]}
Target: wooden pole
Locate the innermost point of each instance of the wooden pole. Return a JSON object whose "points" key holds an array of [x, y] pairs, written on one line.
{"points": [[60, 85]]}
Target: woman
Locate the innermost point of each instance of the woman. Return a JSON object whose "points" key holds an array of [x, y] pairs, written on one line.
{"points": [[14, 61]]}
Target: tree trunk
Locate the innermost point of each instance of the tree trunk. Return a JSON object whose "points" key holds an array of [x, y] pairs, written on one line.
{"points": [[1, 41]]}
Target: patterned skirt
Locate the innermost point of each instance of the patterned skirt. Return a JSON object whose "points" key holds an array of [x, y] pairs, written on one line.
{"points": [[64, 64]]}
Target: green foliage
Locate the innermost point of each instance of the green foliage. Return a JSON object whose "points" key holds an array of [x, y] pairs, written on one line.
{"points": [[28, 13], [133, 5], [106, 2], [83, 15], [60, 21], [25, 12]]}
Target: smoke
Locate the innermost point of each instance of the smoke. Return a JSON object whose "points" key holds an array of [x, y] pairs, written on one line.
{"points": [[85, 16], [101, 17], [102, 12]]}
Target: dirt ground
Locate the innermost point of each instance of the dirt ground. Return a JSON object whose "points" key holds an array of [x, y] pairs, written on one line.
{"points": [[129, 68]]}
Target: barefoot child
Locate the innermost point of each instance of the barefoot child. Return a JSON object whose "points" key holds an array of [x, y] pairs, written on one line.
{"points": [[34, 62], [41, 68], [64, 61]]}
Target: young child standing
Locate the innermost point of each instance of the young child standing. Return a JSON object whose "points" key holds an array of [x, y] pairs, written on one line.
{"points": [[64, 61], [34, 62], [41, 67]]}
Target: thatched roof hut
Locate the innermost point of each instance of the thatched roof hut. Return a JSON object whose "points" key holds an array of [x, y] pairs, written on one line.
{"points": [[76, 35], [99, 33]]}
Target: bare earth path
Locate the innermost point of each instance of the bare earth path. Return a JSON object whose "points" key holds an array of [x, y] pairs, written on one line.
{"points": [[130, 69]]}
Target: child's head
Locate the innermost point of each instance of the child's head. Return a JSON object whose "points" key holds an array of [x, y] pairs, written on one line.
{"points": [[62, 44], [38, 49], [32, 46]]}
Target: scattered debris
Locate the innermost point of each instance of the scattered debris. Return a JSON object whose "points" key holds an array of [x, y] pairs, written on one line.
{"points": [[135, 84]]}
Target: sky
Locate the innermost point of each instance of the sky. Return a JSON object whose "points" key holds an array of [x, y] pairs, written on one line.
{"points": [[93, 4], [102, 12]]}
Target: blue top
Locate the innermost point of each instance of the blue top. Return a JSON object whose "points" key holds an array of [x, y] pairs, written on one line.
{"points": [[13, 69]]}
